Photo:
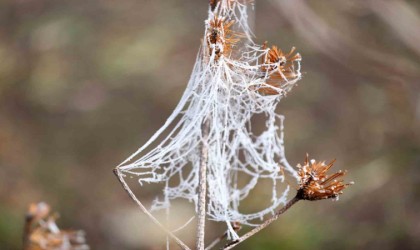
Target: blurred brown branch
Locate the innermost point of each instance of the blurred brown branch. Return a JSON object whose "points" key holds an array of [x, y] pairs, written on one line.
{"points": [[402, 18], [341, 47]]}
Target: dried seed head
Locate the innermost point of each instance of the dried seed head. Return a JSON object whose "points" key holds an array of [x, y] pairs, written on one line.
{"points": [[316, 184], [220, 38], [281, 69], [45, 234], [37, 211]]}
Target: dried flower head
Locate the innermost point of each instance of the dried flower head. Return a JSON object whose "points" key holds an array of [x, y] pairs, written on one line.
{"points": [[43, 233], [37, 211], [280, 68], [316, 184], [220, 38]]}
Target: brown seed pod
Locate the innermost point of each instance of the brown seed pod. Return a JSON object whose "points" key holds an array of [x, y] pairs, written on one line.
{"points": [[220, 38], [281, 69], [316, 184]]}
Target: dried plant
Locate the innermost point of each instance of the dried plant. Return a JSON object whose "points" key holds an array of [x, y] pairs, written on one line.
{"points": [[220, 37], [42, 233], [316, 184], [282, 69], [210, 145]]}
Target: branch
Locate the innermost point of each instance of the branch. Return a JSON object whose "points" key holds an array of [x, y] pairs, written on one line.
{"points": [[144, 209], [202, 186], [236, 226], [213, 4], [262, 226]]}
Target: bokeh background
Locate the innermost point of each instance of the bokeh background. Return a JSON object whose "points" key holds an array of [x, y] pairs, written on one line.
{"points": [[83, 83]]}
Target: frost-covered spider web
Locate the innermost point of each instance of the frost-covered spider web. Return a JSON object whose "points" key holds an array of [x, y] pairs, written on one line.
{"points": [[222, 91]]}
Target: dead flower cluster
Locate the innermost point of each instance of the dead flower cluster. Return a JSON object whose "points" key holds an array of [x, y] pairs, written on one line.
{"points": [[42, 232]]}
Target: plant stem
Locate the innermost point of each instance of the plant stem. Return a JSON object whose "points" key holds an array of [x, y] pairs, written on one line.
{"points": [[262, 226], [236, 227], [217, 240], [213, 4], [202, 186], [27, 228], [120, 177]]}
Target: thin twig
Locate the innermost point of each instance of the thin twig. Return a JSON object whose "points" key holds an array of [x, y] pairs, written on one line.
{"points": [[213, 4], [236, 227], [262, 226], [202, 186], [216, 241], [183, 226], [143, 208]]}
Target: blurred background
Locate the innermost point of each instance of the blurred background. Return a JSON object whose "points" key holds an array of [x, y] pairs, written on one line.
{"points": [[84, 83]]}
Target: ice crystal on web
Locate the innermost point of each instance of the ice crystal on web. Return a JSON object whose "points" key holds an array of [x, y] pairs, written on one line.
{"points": [[233, 80]]}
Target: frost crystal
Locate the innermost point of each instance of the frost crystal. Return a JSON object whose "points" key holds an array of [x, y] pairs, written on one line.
{"points": [[228, 86]]}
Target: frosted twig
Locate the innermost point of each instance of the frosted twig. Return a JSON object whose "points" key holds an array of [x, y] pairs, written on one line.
{"points": [[143, 208], [236, 227], [262, 226], [202, 186], [216, 241], [213, 4], [183, 226]]}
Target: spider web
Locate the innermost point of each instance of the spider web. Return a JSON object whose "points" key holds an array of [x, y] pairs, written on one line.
{"points": [[221, 91]]}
